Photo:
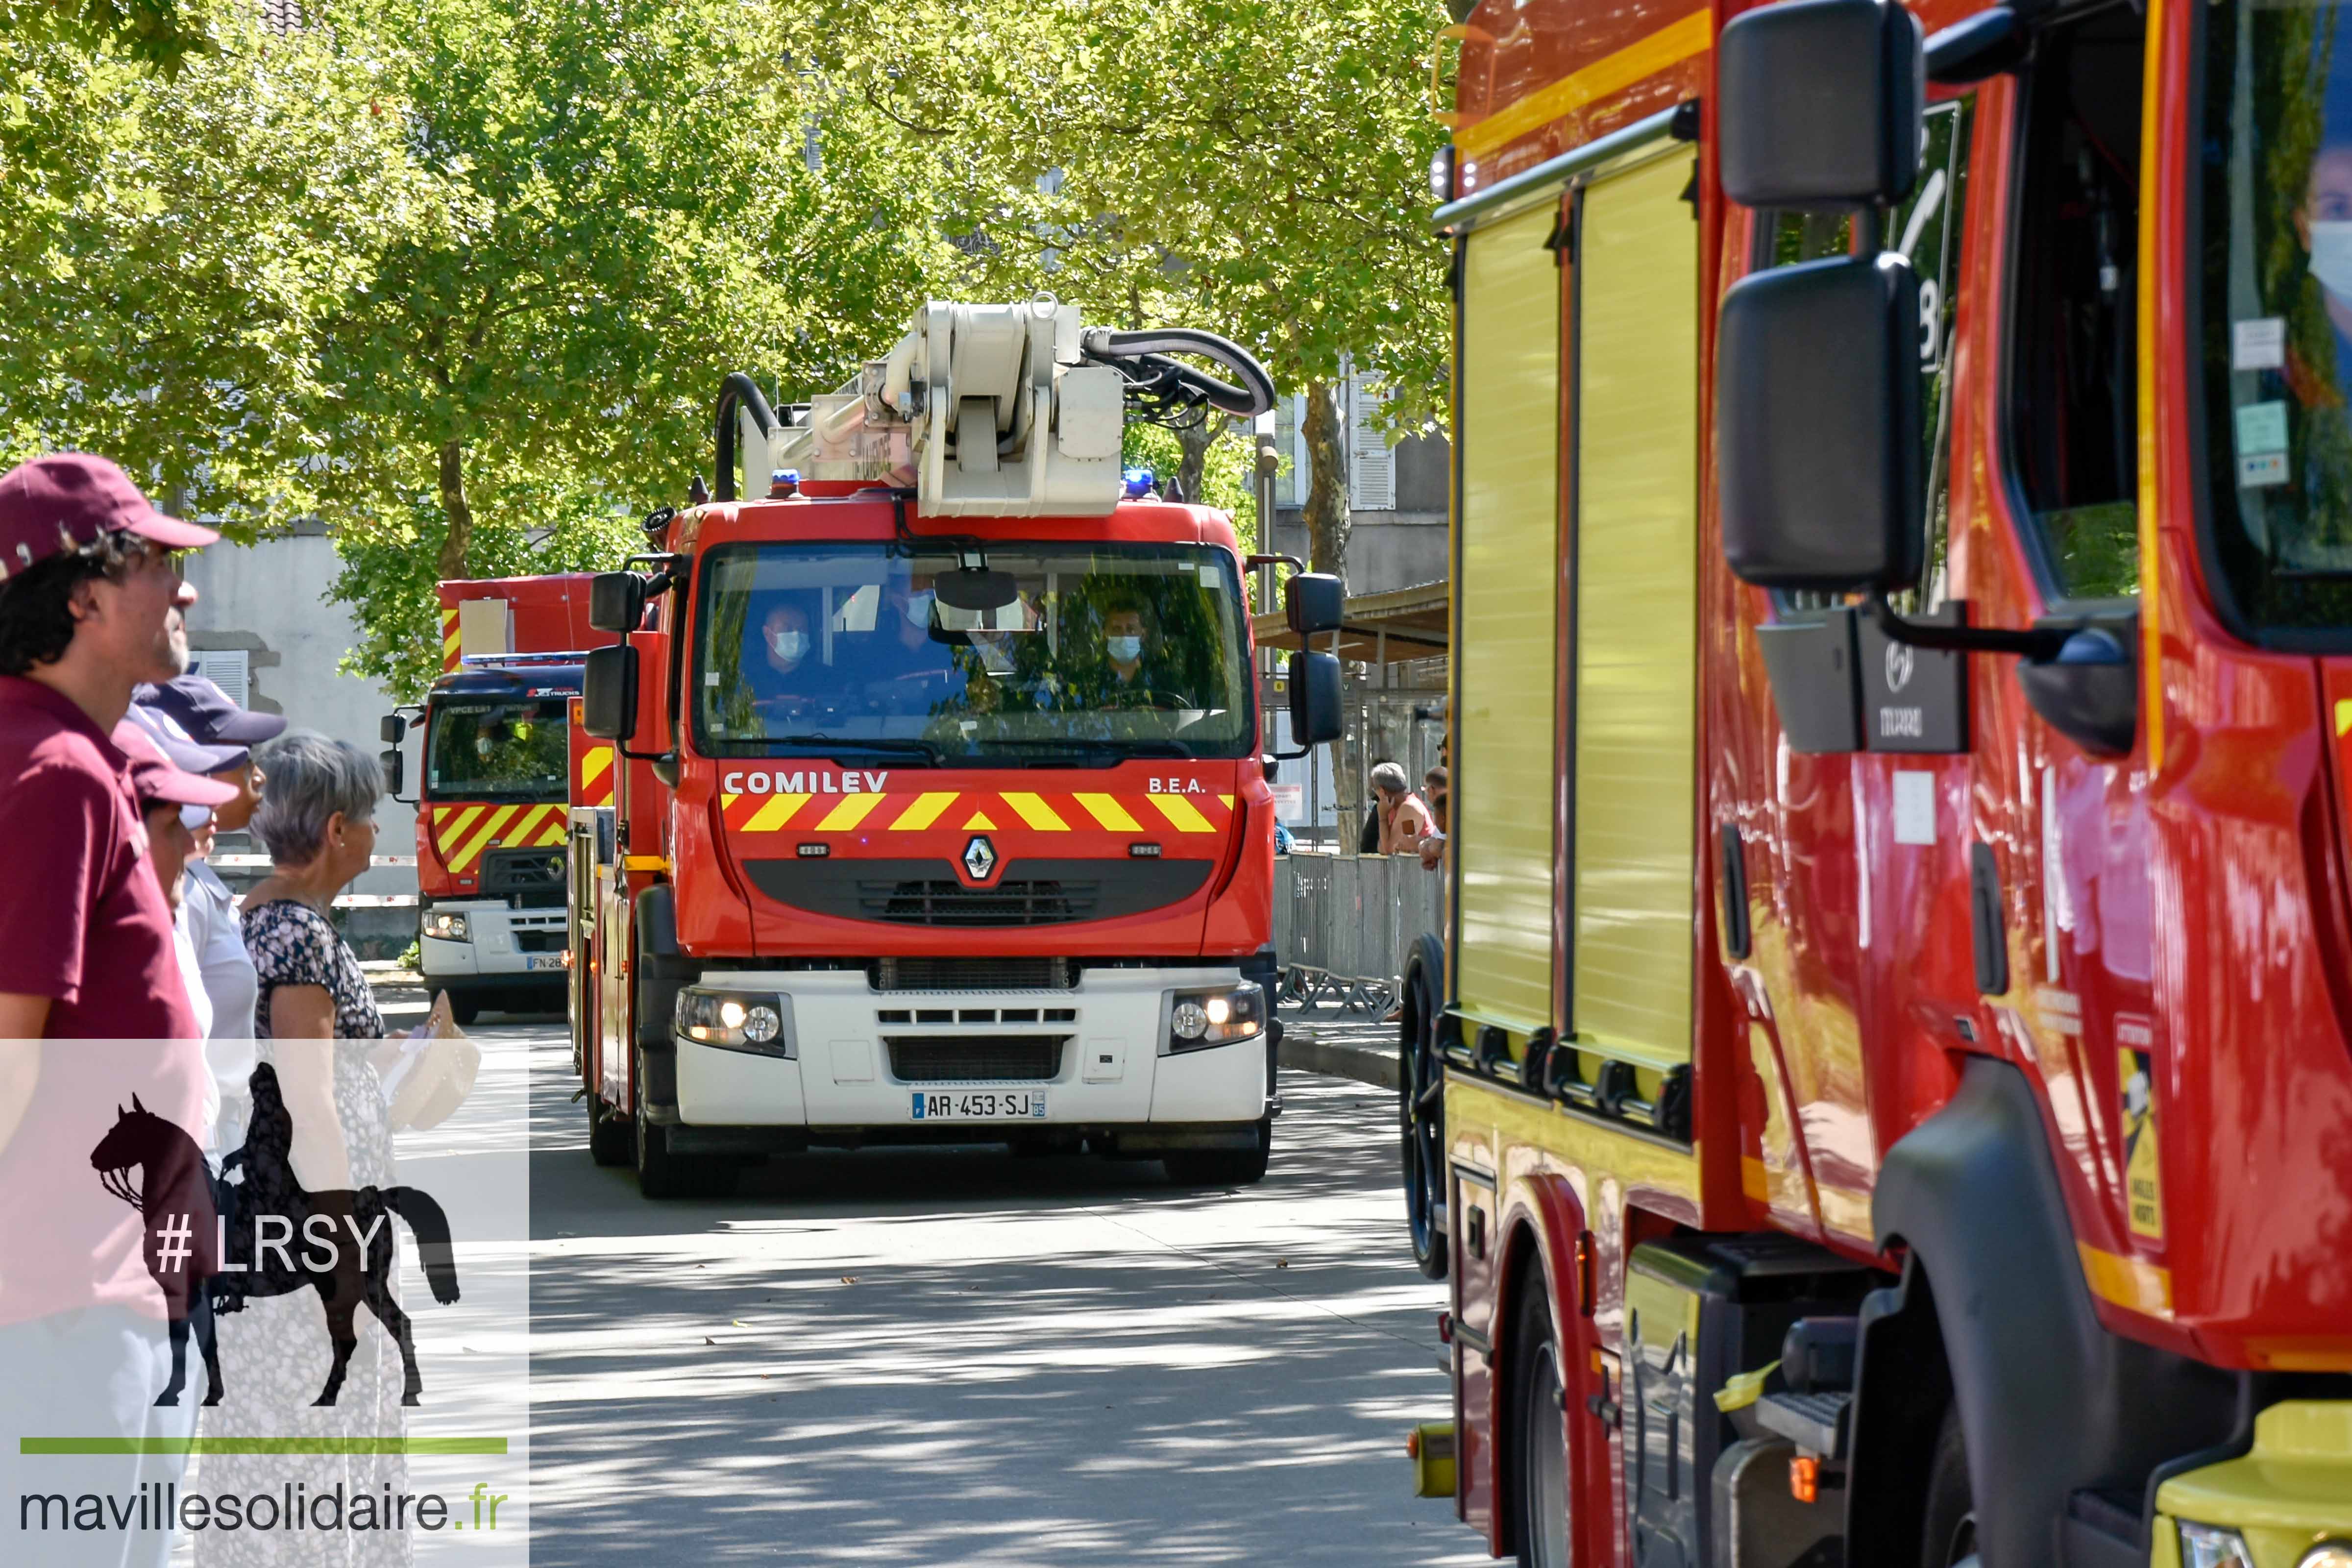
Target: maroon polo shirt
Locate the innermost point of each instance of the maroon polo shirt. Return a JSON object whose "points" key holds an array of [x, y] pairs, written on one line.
{"points": [[82, 920]]}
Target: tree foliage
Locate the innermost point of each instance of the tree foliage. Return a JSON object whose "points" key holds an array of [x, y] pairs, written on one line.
{"points": [[461, 275], [1248, 165]]}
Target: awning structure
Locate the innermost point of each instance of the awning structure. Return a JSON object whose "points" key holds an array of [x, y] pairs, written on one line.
{"points": [[1377, 629]]}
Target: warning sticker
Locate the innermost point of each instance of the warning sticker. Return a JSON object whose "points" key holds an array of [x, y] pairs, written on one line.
{"points": [[2143, 1190]]}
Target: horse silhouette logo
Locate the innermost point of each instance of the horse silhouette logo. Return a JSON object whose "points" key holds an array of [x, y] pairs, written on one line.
{"points": [[266, 1236]]}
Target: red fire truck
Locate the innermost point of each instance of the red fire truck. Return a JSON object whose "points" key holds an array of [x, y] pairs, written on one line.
{"points": [[940, 812], [491, 802], [1882, 1097]]}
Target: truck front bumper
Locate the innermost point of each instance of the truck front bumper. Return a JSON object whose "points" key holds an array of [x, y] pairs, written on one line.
{"points": [[503, 946], [850, 1071], [2287, 1497]]}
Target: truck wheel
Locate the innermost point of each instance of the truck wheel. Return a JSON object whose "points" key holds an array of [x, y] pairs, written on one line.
{"points": [[1223, 1167], [1420, 1110], [1539, 1501], [1947, 1532], [662, 1175], [612, 1137], [465, 1009]]}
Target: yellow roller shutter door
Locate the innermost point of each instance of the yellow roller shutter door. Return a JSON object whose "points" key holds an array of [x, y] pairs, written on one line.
{"points": [[1505, 776], [1636, 606]]}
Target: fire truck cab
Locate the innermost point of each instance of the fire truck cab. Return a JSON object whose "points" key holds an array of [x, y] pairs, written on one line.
{"points": [[941, 811], [1880, 1098]]}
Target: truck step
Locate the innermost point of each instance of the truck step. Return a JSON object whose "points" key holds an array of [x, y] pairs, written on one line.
{"points": [[1813, 1422]]}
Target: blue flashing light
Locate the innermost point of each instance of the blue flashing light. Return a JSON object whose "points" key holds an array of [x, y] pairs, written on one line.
{"points": [[1139, 482]]}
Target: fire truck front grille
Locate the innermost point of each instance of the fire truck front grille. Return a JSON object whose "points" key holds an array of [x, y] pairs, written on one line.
{"points": [[975, 1058], [911, 973], [930, 893], [1015, 901]]}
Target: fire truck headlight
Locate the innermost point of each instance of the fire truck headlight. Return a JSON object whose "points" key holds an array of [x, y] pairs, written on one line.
{"points": [[1218, 1017], [758, 1022], [443, 926], [2327, 1554], [2209, 1546]]}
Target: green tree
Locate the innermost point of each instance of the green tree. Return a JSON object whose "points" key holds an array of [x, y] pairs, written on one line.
{"points": [[1253, 167], [178, 243]]}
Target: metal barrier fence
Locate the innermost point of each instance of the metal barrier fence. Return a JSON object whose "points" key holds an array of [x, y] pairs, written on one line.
{"points": [[1344, 923]]}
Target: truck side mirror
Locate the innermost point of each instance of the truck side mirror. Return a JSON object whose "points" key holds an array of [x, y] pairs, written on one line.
{"points": [[393, 729], [396, 769], [608, 691], [1817, 424], [616, 600], [1314, 681], [1314, 603], [1819, 104]]}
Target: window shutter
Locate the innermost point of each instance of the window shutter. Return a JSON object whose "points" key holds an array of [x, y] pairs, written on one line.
{"points": [[1372, 461], [1290, 446], [225, 668]]}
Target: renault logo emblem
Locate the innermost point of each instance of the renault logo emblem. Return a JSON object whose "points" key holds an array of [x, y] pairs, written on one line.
{"points": [[980, 857], [1898, 665]]}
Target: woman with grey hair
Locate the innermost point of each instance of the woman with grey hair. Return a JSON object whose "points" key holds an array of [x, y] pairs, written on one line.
{"points": [[320, 1029], [1404, 815]]}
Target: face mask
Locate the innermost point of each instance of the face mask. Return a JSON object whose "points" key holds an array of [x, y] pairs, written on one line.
{"points": [[2331, 257], [481, 745], [1126, 651], [919, 609], [789, 645]]}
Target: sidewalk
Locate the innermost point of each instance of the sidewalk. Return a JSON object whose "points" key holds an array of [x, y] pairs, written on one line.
{"points": [[1339, 1043]]}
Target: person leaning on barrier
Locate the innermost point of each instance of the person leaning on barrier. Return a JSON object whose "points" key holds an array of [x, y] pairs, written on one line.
{"points": [[1404, 817]]}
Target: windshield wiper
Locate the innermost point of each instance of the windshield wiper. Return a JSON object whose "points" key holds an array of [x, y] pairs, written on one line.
{"points": [[927, 749]]}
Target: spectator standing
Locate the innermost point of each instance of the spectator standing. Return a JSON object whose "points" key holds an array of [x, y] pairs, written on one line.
{"points": [[318, 1025], [1431, 846], [1404, 815], [90, 604], [194, 709]]}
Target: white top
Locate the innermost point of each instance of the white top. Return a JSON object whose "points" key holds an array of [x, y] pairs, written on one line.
{"points": [[229, 988]]}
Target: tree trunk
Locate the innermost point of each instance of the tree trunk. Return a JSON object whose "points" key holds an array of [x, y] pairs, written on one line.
{"points": [[460, 540], [1326, 493], [1192, 470]]}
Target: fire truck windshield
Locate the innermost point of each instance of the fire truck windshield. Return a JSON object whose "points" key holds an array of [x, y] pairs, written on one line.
{"points": [[2277, 343], [492, 748], [1082, 650]]}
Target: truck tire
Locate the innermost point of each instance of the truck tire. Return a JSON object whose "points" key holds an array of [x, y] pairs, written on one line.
{"points": [[1948, 1529], [465, 1009], [1420, 1110], [612, 1137], [663, 1174], [1223, 1167], [1537, 1458]]}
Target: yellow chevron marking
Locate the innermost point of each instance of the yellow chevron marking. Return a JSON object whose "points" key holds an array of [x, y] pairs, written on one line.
{"points": [[979, 820], [1106, 809], [1670, 45], [526, 827], [593, 765], [551, 838], [727, 801], [451, 834], [2342, 714], [849, 813], [775, 814], [498, 819], [1182, 813], [925, 811], [1228, 801], [1035, 812]]}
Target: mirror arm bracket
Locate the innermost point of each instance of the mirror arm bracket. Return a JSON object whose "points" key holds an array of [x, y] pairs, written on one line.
{"points": [[2042, 642]]}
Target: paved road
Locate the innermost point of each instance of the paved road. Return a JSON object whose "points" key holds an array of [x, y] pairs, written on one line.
{"points": [[934, 1357]]}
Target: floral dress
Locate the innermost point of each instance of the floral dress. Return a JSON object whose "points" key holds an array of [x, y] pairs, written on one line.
{"points": [[274, 1351]]}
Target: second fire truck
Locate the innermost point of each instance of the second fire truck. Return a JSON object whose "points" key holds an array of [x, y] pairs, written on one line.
{"points": [[940, 809]]}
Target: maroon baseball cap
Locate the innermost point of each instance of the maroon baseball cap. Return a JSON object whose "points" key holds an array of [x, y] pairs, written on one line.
{"points": [[67, 500], [155, 776]]}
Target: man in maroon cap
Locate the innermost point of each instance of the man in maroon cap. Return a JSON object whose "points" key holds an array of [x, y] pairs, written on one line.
{"points": [[94, 1010], [90, 605]]}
